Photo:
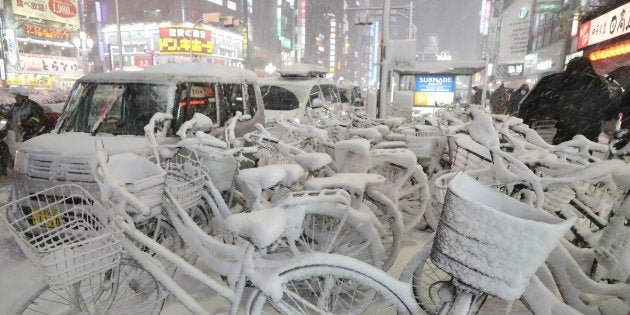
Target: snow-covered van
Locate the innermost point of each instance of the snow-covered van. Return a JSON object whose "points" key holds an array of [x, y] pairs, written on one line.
{"points": [[296, 88], [116, 106]]}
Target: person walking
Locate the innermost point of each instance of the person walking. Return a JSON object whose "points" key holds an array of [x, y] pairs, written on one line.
{"points": [[577, 98], [515, 99], [26, 117], [499, 100]]}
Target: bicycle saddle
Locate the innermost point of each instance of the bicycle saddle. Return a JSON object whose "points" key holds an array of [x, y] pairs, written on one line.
{"points": [[267, 176], [312, 161], [261, 228], [354, 183]]}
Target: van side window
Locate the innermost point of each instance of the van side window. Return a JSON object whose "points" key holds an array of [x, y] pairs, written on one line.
{"points": [[313, 95], [331, 95], [252, 105], [231, 101], [195, 98]]}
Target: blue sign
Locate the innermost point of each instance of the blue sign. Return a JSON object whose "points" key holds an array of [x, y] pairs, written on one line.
{"points": [[435, 83], [433, 90]]}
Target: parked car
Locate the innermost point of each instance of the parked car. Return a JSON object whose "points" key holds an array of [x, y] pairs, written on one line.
{"points": [[296, 89], [115, 107]]}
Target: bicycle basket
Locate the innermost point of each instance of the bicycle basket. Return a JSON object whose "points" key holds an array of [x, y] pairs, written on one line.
{"points": [[142, 178], [491, 241], [424, 141], [184, 177], [546, 129], [65, 232], [466, 154]]}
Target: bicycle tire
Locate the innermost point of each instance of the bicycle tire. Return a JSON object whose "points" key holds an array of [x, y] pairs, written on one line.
{"points": [[328, 234], [138, 293], [392, 232], [409, 190], [428, 279], [345, 291]]}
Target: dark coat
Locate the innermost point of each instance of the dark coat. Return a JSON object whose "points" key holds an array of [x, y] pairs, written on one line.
{"points": [[577, 100], [516, 97], [26, 119], [499, 100]]}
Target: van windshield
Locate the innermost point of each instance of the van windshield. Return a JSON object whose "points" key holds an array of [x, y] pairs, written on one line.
{"points": [[116, 108]]}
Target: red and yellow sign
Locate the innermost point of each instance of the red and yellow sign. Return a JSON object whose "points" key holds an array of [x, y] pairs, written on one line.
{"points": [[62, 11], [44, 32], [176, 40]]}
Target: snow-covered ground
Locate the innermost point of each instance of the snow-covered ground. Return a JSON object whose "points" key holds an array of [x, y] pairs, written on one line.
{"points": [[20, 277]]}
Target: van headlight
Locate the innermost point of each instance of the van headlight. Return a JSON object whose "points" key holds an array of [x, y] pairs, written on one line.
{"points": [[21, 162]]}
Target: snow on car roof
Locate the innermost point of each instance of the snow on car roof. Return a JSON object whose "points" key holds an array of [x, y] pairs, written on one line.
{"points": [[177, 72], [303, 70]]}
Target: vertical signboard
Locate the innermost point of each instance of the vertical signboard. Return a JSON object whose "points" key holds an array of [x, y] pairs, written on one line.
{"points": [[514, 35], [431, 90]]}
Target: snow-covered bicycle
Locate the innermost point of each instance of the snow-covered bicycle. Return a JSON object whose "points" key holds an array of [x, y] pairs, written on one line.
{"points": [[309, 283]]}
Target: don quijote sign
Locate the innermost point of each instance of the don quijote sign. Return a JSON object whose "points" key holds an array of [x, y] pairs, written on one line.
{"points": [[62, 11]]}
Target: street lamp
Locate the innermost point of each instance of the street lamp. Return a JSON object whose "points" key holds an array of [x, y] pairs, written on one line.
{"points": [[208, 18]]}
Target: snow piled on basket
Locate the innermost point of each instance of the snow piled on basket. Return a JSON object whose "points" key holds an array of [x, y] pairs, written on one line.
{"points": [[491, 241]]}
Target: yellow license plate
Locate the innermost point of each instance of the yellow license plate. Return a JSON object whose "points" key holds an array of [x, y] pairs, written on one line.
{"points": [[46, 217]]}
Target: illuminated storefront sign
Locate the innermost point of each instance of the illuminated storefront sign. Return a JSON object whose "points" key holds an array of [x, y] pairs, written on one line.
{"points": [[510, 70], [175, 40], [62, 11], [32, 63], [431, 90], [142, 61], [604, 27], [44, 32]]}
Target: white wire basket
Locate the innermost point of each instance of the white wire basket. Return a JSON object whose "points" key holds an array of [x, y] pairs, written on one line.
{"points": [[546, 129], [65, 232], [143, 178], [466, 154], [425, 141], [268, 153], [491, 241], [184, 177]]}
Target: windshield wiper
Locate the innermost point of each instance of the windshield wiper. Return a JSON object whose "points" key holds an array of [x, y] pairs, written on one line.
{"points": [[111, 98]]}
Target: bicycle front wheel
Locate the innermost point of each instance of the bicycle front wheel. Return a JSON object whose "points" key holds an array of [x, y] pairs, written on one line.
{"points": [[433, 288], [324, 289], [125, 289]]}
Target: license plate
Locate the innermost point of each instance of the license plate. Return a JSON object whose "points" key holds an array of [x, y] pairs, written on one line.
{"points": [[49, 218]]}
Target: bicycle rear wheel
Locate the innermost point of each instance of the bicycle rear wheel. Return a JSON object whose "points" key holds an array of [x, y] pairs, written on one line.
{"points": [[408, 188], [325, 289], [125, 289], [329, 234], [392, 227]]}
